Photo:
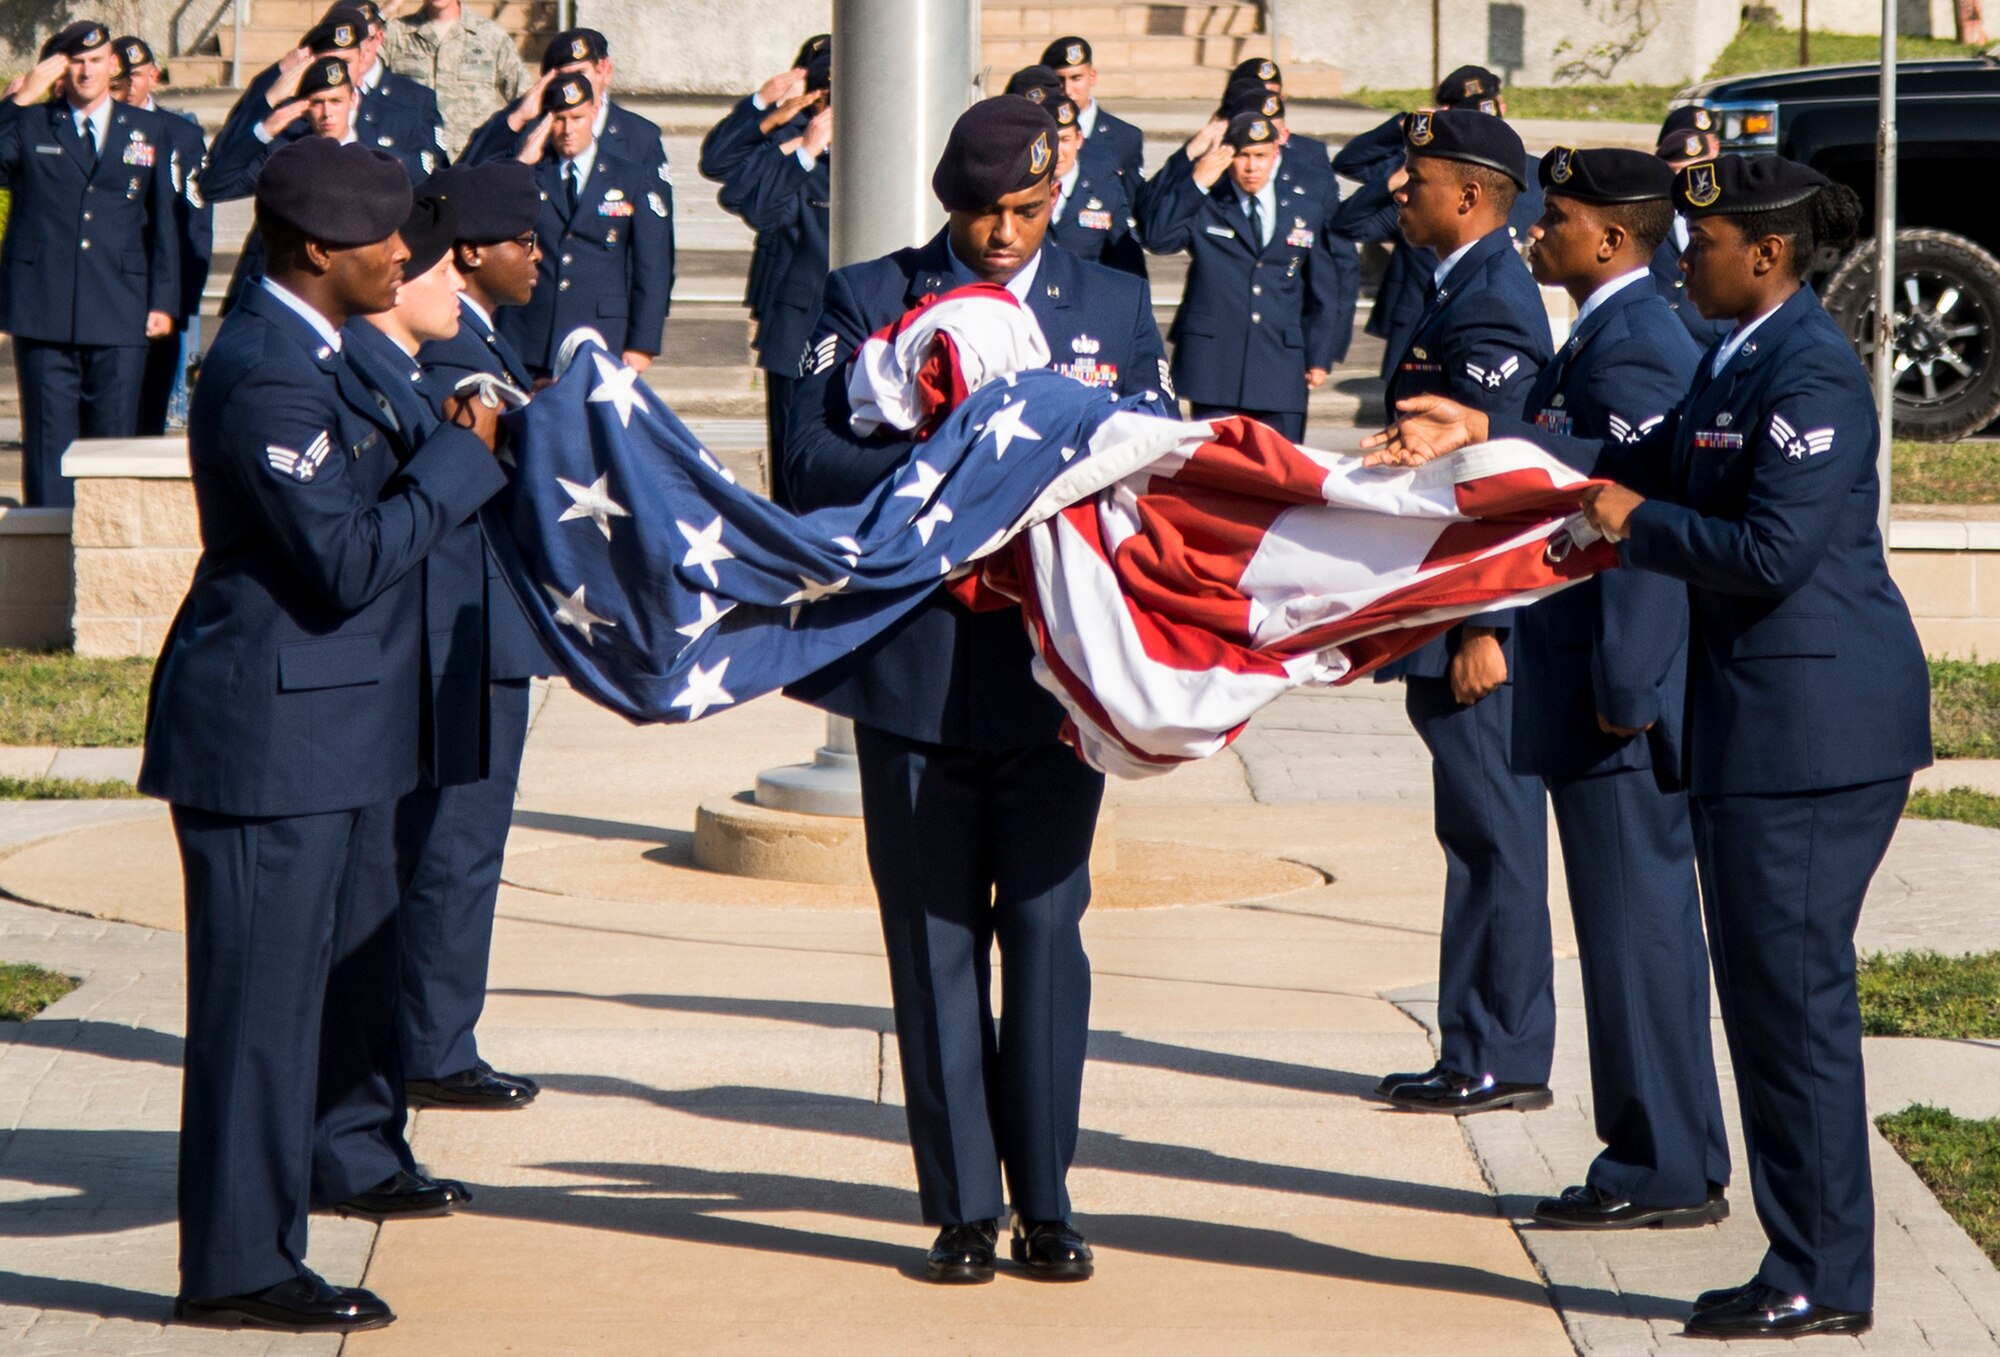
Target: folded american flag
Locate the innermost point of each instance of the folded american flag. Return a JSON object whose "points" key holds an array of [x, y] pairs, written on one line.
{"points": [[1174, 576]]}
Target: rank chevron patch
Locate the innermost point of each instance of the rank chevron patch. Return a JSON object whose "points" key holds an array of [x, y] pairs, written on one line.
{"points": [[1798, 446], [1495, 377], [300, 466], [1632, 433]]}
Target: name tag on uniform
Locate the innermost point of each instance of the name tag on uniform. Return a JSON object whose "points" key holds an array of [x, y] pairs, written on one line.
{"points": [[138, 153], [609, 208], [1225, 232], [48, 150], [1094, 221], [1554, 421], [1300, 238]]}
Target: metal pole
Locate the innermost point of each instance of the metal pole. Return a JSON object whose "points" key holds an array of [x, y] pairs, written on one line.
{"points": [[1437, 43], [882, 201], [236, 45], [1885, 260], [1805, 32], [1271, 22]]}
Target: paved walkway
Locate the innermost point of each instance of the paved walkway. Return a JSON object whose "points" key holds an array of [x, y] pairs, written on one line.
{"points": [[718, 1163]]}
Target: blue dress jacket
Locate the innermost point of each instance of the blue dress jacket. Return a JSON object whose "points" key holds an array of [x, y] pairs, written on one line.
{"points": [[92, 246], [944, 674], [513, 650], [1615, 645], [1804, 669], [1253, 317], [610, 266], [292, 681], [1481, 341]]}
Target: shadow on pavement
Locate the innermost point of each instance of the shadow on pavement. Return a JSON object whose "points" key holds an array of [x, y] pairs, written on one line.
{"points": [[85, 1036], [99, 1181], [85, 1298]]}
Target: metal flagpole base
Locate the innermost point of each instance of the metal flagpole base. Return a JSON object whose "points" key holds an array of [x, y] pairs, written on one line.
{"points": [[829, 785]]}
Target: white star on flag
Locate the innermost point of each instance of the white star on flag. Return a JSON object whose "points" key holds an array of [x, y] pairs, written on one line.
{"points": [[850, 548], [572, 611], [704, 548], [618, 385], [705, 690], [593, 502], [708, 460], [813, 592], [940, 514], [929, 478], [1007, 427], [710, 615]]}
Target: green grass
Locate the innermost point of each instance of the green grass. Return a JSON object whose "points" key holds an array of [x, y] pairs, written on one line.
{"points": [[1962, 804], [56, 698], [1959, 1161], [1611, 103], [1965, 709], [27, 990], [65, 789], [1757, 48], [1967, 472], [1925, 994]]}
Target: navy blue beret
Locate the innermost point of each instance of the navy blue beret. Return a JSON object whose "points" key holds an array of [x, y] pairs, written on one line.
{"points": [[571, 91], [573, 45], [1035, 82], [1263, 70], [1250, 129], [429, 231], [341, 30], [1063, 109], [341, 195], [1066, 51], [1735, 183], [1250, 96], [84, 35], [1467, 136], [1469, 86], [496, 201], [1686, 118], [1606, 174], [998, 146], [323, 74], [132, 54]]}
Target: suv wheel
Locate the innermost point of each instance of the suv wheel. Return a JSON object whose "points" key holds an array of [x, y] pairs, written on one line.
{"points": [[1947, 380]]}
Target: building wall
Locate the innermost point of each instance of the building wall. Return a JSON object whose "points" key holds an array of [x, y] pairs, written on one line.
{"points": [[703, 46]]}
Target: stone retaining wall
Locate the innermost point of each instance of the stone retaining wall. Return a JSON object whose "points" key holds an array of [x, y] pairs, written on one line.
{"points": [[34, 578], [136, 541]]}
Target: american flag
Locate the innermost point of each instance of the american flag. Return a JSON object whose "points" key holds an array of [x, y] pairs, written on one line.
{"points": [[1174, 576]]}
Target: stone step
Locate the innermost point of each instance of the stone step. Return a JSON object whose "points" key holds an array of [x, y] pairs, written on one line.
{"points": [[1054, 18]]}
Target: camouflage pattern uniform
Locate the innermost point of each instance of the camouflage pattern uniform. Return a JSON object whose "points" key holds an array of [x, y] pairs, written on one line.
{"points": [[472, 64]]}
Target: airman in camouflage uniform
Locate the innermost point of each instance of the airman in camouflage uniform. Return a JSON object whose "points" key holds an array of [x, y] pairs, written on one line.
{"points": [[470, 61]]}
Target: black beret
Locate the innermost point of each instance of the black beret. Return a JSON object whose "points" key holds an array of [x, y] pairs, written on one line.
{"points": [[341, 30], [342, 195], [1250, 96], [819, 72], [496, 201], [429, 230], [1063, 109], [1689, 146], [132, 54], [323, 74], [1468, 85], [371, 13], [1606, 174], [1250, 129], [1261, 69], [1469, 136], [810, 48], [1069, 51], [1035, 82], [573, 45], [567, 92], [998, 146], [1735, 183], [85, 35], [1686, 118]]}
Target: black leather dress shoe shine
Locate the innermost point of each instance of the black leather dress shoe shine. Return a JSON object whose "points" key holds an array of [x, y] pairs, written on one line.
{"points": [[407, 1196], [1760, 1311], [477, 1089], [1708, 1300], [1592, 1208], [304, 1304], [1459, 1094], [523, 1080], [1391, 1082], [1052, 1251], [962, 1253]]}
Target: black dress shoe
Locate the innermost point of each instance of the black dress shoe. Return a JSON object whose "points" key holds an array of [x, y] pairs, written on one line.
{"points": [[1459, 1094], [1391, 1082], [477, 1089], [1759, 1311], [407, 1196], [962, 1253], [1708, 1300], [304, 1304], [523, 1080], [1052, 1251], [1592, 1208]]}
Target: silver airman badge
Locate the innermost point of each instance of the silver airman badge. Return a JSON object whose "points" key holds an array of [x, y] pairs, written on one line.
{"points": [[1084, 344], [1558, 401], [1724, 420], [385, 141], [612, 195], [1420, 355]]}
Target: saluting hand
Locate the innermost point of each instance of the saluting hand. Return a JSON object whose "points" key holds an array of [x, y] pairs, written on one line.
{"points": [[785, 112], [1427, 428], [284, 117], [819, 133], [40, 79], [531, 149], [1206, 140], [286, 86], [292, 60], [782, 86], [1213, 164], [529, 106]]}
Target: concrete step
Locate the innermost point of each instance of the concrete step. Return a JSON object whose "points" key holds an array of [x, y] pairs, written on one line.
{"points": [[1090, 18]]}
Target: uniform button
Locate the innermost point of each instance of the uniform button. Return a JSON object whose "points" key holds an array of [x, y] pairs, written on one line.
{"points": [[1256, 318], [1256, 289], [86, 216], [563, 286], [566, 259], [86, 244]]}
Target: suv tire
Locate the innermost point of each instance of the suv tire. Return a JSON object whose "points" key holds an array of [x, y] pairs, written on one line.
{"points": [[1948, 332]]}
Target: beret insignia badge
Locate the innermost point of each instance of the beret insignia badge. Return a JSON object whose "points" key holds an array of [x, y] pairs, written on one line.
{"points": [[1038, 154], [1267, 70], [1073, 54], [1703, 188], [579, 50], [1561, 171], [1420, 129]]}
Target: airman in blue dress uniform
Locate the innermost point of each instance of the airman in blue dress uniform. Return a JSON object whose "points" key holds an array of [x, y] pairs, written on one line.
{"points": [[1482, 340], [1107, 134], [1808, 702], [1261, 321], [92, 256], [374, 80], [1090, 216], [1687, 135], [979, 819], [164, 388], [287, 718], [607, 240], [1310, 151], [576, 51], [452, 831], [1598, 715]]}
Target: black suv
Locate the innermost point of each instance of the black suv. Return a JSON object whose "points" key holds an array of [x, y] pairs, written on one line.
{"points": [[1948, 215]]}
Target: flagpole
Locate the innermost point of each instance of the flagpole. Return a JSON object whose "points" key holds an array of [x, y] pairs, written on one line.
{"points": [[887, 135], [1885, 264]]}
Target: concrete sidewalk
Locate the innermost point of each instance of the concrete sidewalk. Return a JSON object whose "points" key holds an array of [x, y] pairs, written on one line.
{"points": [[718, 1164]]}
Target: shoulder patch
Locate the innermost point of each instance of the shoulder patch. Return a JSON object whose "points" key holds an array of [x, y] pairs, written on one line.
{"points": [[299, 466], [658, 204], [1798, 446], [819, 357]]}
